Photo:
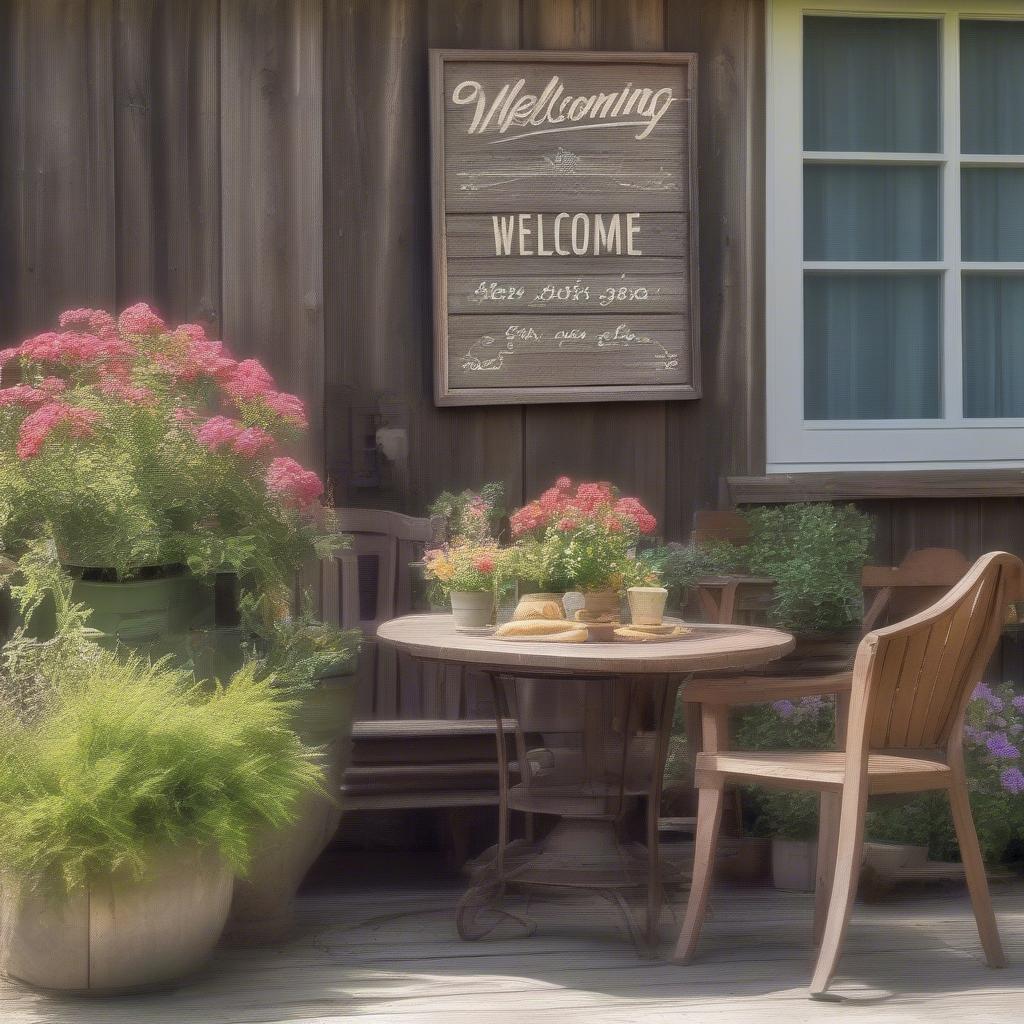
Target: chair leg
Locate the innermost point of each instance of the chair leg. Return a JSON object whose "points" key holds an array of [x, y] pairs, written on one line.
{"points": [[709, 819], [849, 854], [828, 837], [974, 870]]}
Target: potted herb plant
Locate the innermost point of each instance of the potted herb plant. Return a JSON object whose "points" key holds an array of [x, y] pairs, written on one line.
{"points": [[470, 576], [155, 460], [129, 797], [583, 536]]}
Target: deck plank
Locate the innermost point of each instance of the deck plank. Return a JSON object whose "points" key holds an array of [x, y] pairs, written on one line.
{"points": [[380, 945]]}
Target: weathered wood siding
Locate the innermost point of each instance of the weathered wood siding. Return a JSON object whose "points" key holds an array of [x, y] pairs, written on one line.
{"points": [[263, 166]]}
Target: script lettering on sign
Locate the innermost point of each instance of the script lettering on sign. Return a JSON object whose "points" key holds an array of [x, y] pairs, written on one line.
{"points": [[564, 227]]}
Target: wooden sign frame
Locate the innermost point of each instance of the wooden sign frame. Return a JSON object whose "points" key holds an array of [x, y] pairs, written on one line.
{"points": [[680, 288]]}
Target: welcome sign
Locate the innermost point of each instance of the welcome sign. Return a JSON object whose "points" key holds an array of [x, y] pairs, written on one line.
{"points": [[564, 200]]}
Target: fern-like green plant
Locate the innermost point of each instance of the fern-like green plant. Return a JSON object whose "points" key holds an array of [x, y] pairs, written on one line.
{"points": [[130, 756]]}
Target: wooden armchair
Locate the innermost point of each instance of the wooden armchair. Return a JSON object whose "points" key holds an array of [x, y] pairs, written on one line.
{"points": [[419, 739], [910, 687]]}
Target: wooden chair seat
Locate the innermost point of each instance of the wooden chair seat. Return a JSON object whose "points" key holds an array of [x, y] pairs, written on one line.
{"points": [[822, 770]]}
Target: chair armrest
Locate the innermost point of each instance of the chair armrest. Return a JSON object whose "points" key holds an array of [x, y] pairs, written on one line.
{"points": [[739, 690]]}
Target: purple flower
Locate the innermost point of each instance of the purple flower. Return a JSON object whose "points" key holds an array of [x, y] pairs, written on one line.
{"points": [[974, 734], [984, 692], [783, 708], [1018, 702], [999, 746], [1012, 781]]}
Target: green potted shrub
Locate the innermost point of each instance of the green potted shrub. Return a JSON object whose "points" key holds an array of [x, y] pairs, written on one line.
{"points": [[313, 663], [129, 797], [155, 461], [789, 819]]}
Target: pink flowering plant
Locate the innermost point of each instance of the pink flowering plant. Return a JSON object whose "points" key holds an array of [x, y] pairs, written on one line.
{"points": [[582, 536], [137, 445], [466, 566]]}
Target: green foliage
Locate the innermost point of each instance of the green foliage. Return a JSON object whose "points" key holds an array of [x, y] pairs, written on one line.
{"points": [[806, 724], [131, 755], [816, 553], [680, 566], [299, 650], [470, 515]]}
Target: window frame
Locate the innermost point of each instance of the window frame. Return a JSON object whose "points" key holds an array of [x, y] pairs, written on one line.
{"points": [[797, 445]]}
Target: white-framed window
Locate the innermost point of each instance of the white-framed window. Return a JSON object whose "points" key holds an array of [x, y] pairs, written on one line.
{"points": [[895, 234]]}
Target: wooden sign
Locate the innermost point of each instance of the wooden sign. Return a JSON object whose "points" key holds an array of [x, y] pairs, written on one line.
{"points": [[565, 226]]}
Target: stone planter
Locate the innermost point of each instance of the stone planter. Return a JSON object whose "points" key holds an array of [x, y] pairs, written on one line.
{"points": [[472, 609], [647, 605], [120, 934], [263, 908], [794, 864]]}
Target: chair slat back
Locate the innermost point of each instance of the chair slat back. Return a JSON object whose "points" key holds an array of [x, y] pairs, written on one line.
{"points": [[913, 679], [918, 581]]}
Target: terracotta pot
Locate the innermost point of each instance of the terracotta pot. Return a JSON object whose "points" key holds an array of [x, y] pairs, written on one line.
{"points": [[602, 603], [263, 908], [472, 608], [794, 864], [120, 934]]}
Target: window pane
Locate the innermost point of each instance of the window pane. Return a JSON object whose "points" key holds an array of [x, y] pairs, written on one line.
{"points": [[992, 212], [991, 86], [871, 213], [871, 346], [993, 345], [871, 84]]}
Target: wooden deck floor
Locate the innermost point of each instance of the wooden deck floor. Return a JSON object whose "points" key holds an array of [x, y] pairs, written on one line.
{"points": [[376, 942]]}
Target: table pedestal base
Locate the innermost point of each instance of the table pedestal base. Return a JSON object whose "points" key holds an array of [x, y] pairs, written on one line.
{"points": [[579, 854]]}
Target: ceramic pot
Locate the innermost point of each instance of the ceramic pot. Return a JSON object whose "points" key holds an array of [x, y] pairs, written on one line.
{"points": [[263, 907], [647, 605], [794, 864], [472, 608], [598, 603], [120, 934], [539, 606]]}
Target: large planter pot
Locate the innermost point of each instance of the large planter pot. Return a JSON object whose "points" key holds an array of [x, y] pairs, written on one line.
{"points": [[472, 609], [120, 934], [794, 864], [598, 604], [263, 908]]}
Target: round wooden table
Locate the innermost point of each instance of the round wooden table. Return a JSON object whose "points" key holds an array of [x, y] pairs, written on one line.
{"points": [[604, 745]]}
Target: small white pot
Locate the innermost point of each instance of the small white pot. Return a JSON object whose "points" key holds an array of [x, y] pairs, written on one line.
{"points": [[472, 608], [794, 864], [647, 605]]}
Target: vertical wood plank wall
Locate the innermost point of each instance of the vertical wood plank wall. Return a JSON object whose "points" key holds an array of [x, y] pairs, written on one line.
{"points": [[262, 166]]}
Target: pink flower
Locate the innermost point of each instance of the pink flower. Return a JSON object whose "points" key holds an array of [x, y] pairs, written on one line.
{"points": [[74, 347], [567, 523], [218, 432], [184, 417], [195, 355], [115, 384], [38, 426], [483, 563], [22, 394], [140, 319], [293, 485], [53, 386], [98, 321], [45, 347], [250, 379], [563, 483], [288, 407], [252, 441]]}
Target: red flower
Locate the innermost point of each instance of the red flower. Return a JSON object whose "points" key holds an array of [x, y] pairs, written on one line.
{"points": [[250, 379], [22, 394], [483, 563], [567, 523], [252, 441], [288, 407], [563, 483], [218, 432]]}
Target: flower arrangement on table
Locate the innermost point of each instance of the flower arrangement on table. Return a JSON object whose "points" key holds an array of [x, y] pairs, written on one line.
{"points": [[135, 444], [582, 536], [472, 575]]}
